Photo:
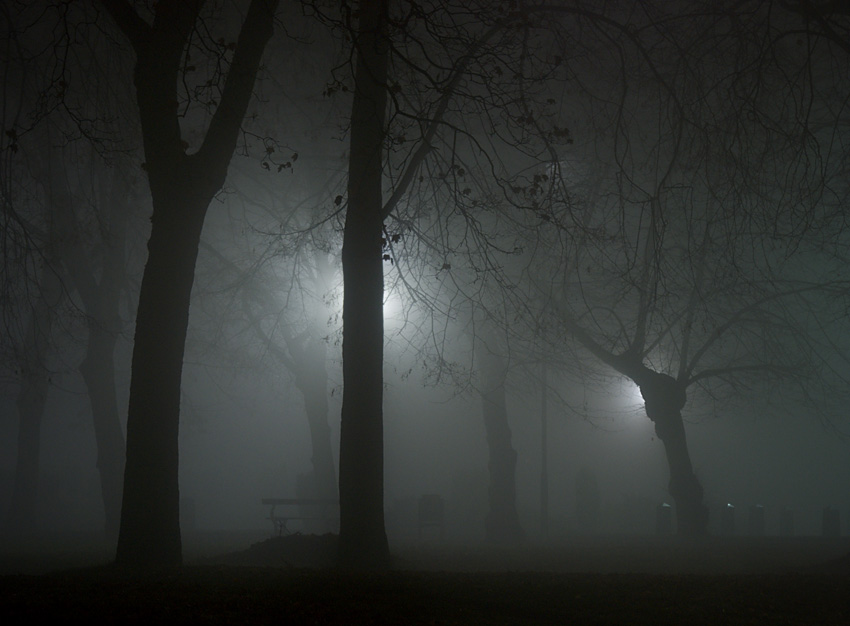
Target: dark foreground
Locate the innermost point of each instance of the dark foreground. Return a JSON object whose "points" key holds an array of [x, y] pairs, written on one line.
{"points": [[285, 581]]}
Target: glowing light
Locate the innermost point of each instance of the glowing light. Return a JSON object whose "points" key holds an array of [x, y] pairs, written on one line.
{"points": [[392, 307], [630, 394]]}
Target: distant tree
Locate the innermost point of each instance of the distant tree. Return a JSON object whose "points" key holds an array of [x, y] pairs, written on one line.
{"points": [[98, 272], [680, 269], [33, 365], [502, 526], [57, 234], [78, 271], [299, 345]]}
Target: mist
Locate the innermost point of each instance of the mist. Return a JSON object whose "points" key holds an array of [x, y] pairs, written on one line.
{"points": [[438, 286]]}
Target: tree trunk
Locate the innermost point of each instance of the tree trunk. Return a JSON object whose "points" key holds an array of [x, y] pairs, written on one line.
{"points": [[98, 371], [665, 398], [150, 519], [182, 187], [312, 381], [100, 300], [502, 523], [32, 397], [362, 534]]}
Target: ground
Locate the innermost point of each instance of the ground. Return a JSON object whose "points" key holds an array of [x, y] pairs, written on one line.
{"points": [[600, 580]]}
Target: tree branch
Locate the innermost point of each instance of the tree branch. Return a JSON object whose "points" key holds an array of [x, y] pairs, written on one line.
{"points": [[238, 88], [128, 21]]}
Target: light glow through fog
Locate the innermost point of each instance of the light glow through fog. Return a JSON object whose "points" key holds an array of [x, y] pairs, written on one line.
{"points": [[630, 395], [392, 308]]}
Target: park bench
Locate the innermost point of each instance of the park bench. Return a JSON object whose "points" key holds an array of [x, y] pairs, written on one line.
{"points": [[285, 510]]}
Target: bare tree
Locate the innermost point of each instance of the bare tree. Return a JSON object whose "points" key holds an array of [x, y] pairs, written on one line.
{"points": [[681, 269], [55, 230], [299, 345], [182, 185], [98, 272]]}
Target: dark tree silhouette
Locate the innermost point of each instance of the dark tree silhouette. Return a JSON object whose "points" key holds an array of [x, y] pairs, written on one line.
{"points": [[59, 125], [34, 370], [100, 283], [501, 525], [182, 186], [362, 535]]}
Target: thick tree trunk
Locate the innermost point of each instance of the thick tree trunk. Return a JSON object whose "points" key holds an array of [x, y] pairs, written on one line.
{"points": [[362, 534], [502, 522], [182, 187], [665, 398], [150, 525]]}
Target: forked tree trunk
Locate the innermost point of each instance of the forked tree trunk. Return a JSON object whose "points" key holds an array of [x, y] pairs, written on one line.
{"points": [[362, 533], [182, 186], [665, 397]]}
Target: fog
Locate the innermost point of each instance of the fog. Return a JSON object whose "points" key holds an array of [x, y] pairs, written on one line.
{"points": [[560, 268], [244, 438]]}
